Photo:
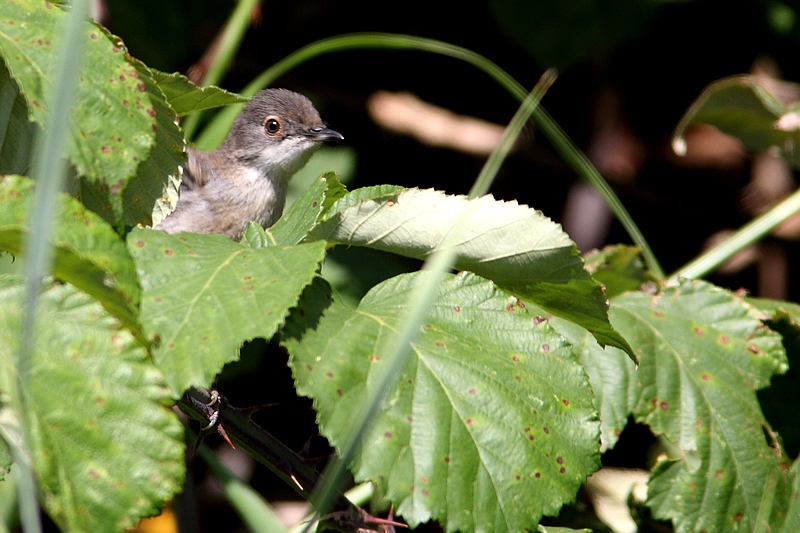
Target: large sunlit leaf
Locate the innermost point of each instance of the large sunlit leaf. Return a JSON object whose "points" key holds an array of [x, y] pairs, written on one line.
{"points": [[515, 246], [87, 251], [106, 448], [114, 118], [204, 295], [612, 376], [488, 427], [185, 97], [742, 107], [152, 193], [703, 354]]}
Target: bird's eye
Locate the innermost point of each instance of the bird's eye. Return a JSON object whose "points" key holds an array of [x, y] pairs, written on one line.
{"points": [[272, 125]]}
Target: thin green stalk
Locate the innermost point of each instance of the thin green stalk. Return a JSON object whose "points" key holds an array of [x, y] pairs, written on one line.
{"points": [[750, 233], [215, 133], [49, 171], [421, 298], [228, 46], [256, 513]]}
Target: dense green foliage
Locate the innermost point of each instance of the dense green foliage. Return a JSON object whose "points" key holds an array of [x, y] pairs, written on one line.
{"points": [[529, 363]]}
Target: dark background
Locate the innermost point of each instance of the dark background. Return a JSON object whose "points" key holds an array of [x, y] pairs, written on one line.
{"points": [[653, 57]]}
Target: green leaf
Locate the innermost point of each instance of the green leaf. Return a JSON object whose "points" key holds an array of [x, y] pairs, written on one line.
{"points": [[703, 353], [185, 97], [518, 248], [792, 522], [204, 295], [740, 106], [152, 193], [106, 447], [5, 456], [489, 426], [88, 253], [550, 529], [780, 400], [16, 131], [303, 214], [612, 376], [114, 118], [619, 268]]}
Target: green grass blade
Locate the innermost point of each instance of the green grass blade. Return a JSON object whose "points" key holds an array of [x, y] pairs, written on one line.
{"points": [[50, 171], [748, 234], [421, 298], [215, 133], [229, 44], [255, 512]]}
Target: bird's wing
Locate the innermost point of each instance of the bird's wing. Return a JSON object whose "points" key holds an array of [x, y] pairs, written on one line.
{"points": [[196, 170]]}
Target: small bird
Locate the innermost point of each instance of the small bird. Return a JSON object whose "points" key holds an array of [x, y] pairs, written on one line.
{"points": [[247, 176]]}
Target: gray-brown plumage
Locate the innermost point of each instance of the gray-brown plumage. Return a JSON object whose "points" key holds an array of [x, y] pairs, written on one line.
{"points": [[246, 177]]}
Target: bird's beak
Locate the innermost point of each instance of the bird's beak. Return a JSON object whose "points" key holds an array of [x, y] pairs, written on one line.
{"points": [[324, 134]]}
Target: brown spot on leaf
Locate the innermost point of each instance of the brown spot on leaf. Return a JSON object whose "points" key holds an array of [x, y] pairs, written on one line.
{"points": [[565, 402], [388, 434], [538, 320], [699, 331], [545, 348], [664, 406], [560, 460], [562, 470], [168, 252], [457, 308], [546, 430], [329, 374]]}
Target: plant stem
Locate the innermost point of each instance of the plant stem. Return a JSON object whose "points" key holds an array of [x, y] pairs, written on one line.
{"points": [[750, 233], [226, 48]]}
